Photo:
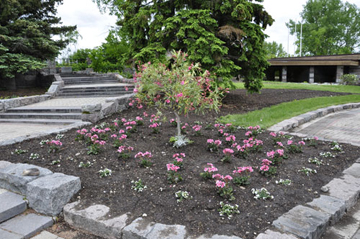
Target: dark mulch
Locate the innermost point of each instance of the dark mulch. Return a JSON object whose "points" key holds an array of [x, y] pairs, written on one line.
{"points": [[200, 214], [21, 92]]}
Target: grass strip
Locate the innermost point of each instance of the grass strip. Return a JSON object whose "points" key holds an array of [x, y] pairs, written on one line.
{"points": [[269, 116], [306, 86]]}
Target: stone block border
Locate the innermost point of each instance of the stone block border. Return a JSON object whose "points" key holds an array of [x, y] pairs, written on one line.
{"points": [[294, 122], [46, 193], [308, 221]]}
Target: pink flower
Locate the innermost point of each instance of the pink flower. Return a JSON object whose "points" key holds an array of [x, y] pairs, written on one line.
{"points": [[220, 184], [270, 154], [136, 90], [280, 144], [301, 143], [145, 114], [121, 131], [228, 178], [113, 136], [264, 168], [172, 167], [273, 134], [140, 106], [289, 142], [316, 138], [228, 151], [182, 82], [217, 142], [218, 176], [210, 141], [179, 95], [126, 88], [280, 152], [167, 101], [266, 162]]}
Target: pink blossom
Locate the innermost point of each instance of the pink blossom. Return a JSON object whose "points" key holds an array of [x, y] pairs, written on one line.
{"points": [[113, 136], [217, 142], [145, 114], [280, 144], [316, 138], [129, 128], [172, 167], [280, 152], [179, 95], [266, 162], [182, 82], [136, 90], [228, 178], [167, 101], [216, 125], [264, 168], [289, 142], [121, 131], [270, 154], [138, 118], [197, 127], [126, 88], [301, 143], [140, 106], [218, 176], [228, 151], [248, 133], [273, 134], [210, 141], [220, 184]]}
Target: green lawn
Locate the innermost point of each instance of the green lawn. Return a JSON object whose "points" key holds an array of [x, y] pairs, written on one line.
{"points": [[269, 116], [306, 86]]}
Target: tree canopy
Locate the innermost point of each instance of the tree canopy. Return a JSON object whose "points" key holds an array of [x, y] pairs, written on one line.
{"points": [[26, 31], [226, 37], [273, 50], [329, 27]]}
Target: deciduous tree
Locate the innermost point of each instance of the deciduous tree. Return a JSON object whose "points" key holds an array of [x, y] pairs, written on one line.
{"points": [[329, 27]]}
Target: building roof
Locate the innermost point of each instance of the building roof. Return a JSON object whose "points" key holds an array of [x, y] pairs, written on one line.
{"points": [[334, 60]]}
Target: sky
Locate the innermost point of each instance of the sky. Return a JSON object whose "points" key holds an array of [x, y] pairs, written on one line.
{"points": [[93, 26]]}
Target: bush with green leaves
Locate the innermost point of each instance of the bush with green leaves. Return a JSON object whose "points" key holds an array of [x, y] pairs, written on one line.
{"points": [[349, 79]]}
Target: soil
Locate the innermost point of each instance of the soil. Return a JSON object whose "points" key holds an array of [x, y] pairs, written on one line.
{"points": [[199, 213], [5, 94]]}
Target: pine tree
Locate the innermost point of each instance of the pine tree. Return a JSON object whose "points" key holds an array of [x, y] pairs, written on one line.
{"points": [[26, 31]]}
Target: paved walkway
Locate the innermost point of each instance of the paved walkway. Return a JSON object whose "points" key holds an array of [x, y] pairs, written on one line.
{"points": [[343, 126]]}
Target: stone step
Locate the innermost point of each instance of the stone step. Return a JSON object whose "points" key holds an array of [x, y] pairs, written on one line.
{"points": [[41, 121], [88, 80], [11, 205], [45, 110], [35, 115], [24, 226], [94, 94], [97, 88]]}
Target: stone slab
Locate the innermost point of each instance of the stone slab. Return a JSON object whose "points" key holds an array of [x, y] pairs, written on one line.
{"points": [[93, 219], [11, 204], [346, 188], [138, 229], [269, 234], [9, 235], [27, 225], [354, 170], [49, 194], [167, 231], [4, 164], [331, 205], [11, 177], [214, 237], [303, 222]]}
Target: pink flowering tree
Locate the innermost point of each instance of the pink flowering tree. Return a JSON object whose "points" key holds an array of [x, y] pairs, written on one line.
{"points": [[181, 89]]}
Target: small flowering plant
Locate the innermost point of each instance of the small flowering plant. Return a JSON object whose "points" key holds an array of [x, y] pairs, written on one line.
{"points": [[285, 182], [178, 159], [228, 154], [228, 210], [145, 159], [294, 147], [118, 141], [242, 175], [173, 175], [213, 145], [230, 139], [261, 193], [253, 131], [138, 185], [54, 145], [208, 171], [173, 122], [312, 142], [19, 151], [266, 168], [316, 161], [85, 165], [182, 195], [105, 172], [139, 120], [197, 129], [155, 127], [276, 156], [81, 134], [224, 188], [34, 156], [277, 137], [95, 147], [308, 171], [335, 146], [124, 151], [327, 155]]}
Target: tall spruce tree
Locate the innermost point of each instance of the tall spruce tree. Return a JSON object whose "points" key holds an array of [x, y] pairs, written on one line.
{"points": [[226, 36], [26, 31]]}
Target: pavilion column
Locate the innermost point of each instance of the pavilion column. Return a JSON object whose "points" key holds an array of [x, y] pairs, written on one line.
{"points": [[284, 74], [311, 74], [339, 73]]}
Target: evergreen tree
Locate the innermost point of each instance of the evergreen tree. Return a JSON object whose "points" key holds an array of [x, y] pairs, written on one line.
{"points": [[26, 31], [226, 36]]}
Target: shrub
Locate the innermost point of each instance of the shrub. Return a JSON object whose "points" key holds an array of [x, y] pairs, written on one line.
{"points": [[349, 79]]}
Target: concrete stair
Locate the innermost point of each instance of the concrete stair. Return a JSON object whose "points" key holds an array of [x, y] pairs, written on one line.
{"points": [[42, 115], [93, 86], [15, 222]]}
